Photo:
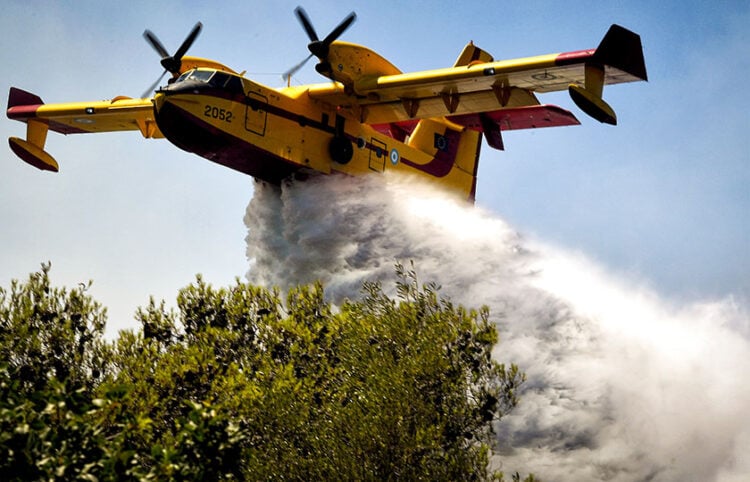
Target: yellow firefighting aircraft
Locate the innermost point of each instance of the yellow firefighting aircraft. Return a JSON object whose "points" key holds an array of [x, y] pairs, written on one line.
{"points": [[370, 118]]}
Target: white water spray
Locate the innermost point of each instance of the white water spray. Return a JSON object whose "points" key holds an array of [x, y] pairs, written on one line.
{"points": [[621, 385]]}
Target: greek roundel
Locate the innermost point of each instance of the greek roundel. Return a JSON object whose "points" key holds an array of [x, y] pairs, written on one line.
{"points": [[394, 157]]}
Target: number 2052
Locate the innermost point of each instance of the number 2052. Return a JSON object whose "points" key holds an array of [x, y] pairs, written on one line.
{"points": [[217, 113]]}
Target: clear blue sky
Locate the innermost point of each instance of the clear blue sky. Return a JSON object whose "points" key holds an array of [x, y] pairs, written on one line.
{"points": [[663, 198]]}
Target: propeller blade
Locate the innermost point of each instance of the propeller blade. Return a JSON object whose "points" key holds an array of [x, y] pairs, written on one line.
{"points": [[153, 86], [188, 41], [336, 33], [306, 23], [172, 63], [289, 73], [319, 48], [154, 41]]}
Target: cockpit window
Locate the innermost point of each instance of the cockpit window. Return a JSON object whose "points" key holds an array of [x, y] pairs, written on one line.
{"points": [[230, 83], [234, 85], [219, 79], [215, 78], [201, 75]]}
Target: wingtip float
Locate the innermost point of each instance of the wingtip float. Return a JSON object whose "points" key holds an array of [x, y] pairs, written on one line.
{"points": [[621, 50], [372, 118], [22, 106]]}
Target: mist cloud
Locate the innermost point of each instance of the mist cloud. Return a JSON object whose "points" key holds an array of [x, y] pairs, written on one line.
{"points": [[622, 385]]}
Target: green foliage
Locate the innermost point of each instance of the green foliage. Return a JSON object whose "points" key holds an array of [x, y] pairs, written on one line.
{"points": [[48, 333], [52, 359], [240, 384]]}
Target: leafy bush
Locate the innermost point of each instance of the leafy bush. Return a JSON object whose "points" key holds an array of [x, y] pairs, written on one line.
{"points": [[238, 384]]}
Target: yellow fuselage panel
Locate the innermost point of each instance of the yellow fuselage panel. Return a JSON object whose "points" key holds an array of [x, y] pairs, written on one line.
{"points": [[268, 126]]}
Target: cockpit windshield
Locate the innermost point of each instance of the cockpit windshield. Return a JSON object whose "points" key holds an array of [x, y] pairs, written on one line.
{"points": [[215, 78], [201, 75]]}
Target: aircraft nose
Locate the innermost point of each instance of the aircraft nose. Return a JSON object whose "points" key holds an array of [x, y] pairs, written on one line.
{"points": [[183, 87]]}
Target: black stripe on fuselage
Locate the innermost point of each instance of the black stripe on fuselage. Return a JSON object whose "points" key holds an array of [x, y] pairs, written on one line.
{"points": [[439, 166]]}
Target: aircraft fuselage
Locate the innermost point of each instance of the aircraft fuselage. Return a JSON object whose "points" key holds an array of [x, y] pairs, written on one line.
{"points": [[272, 133]]}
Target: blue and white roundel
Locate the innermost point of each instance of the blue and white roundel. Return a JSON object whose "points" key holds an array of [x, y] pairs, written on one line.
{"points": [[394, 157]]}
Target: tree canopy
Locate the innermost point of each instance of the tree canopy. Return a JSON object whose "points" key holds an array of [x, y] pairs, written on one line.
{"points": [[240, 383]]}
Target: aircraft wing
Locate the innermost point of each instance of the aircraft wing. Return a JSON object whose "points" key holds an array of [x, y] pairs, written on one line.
{"points": [[118, 114], [488, 86]]}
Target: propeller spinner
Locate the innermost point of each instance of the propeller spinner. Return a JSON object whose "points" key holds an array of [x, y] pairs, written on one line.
{"points": [[171, 63], [319, 48]]}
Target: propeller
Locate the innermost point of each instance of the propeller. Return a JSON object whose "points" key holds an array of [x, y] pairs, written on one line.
{"points": [[171, 63], [319, 48], [153, 86]]}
